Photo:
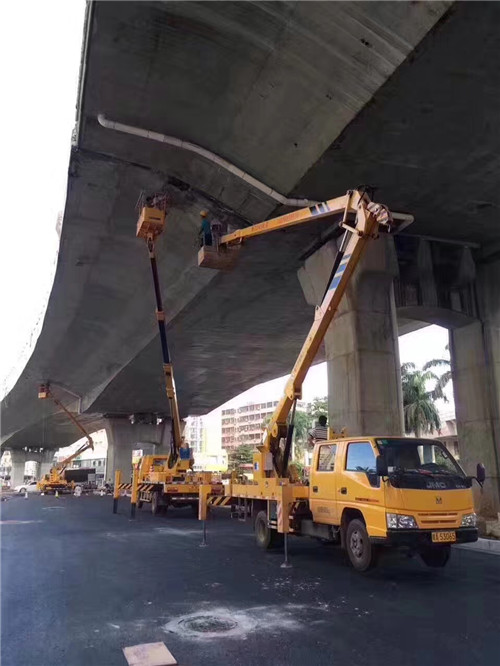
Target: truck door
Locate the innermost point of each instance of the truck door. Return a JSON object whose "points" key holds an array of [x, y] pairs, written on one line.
{"points": [[359, 486], [323, 500]]}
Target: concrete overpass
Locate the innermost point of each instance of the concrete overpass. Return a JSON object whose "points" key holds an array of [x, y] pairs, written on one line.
{"points": [[311, 99]]}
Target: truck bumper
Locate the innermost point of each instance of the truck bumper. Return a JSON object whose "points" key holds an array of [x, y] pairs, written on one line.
{"points": [[419, 539]]}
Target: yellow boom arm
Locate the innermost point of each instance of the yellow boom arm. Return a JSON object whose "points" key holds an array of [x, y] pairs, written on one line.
{"points": [[44, 392], [150, 225], [368, 216]]}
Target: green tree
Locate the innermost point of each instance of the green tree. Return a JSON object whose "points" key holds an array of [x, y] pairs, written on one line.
{"points": [[445, 378], [420, 412], [241, 455], [302, 425], [317, 407]]}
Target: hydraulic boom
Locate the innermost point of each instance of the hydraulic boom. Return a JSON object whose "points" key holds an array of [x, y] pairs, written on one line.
{"points": [[150, 225], [361, 220], [56, 480]]}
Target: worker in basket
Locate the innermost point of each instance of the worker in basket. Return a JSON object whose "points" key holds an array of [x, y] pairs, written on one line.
{"points": [[205, 232]]}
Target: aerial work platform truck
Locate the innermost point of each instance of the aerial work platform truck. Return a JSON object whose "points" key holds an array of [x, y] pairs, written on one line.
{"points": [[365, 492], [55, 480], [163, 481]]}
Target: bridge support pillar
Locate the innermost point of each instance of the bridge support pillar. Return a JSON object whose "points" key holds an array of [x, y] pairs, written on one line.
{"points": [[46, 461], [475, 364], [18, 459], [124, 437], [364, 382]]}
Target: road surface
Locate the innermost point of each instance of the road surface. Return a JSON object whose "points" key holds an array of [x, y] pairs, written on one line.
{"points": [[79, 584]]}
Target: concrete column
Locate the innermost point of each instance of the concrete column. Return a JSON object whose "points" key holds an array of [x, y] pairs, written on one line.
{"points": [[46, 462], [475, 363], [426, 274], [364, 379], [123, 437], [17, 471]]}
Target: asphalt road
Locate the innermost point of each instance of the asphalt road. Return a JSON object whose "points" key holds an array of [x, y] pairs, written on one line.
{"points": [[79, 584]]}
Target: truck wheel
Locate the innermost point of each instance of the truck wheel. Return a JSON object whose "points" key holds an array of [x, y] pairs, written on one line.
{"points": [[436, 557], [362, 554], [154, 503], [265, 536]]}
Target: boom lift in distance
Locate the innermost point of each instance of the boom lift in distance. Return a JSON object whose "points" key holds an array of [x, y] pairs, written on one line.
{"points": [[364, 492], [162, 480], [56, 480]]}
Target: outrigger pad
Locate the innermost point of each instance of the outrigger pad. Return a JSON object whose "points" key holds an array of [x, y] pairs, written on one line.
{"points": [[222, 260]]}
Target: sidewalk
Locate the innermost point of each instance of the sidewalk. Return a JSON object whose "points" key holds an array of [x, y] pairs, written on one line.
{"points": [[491, 546]]}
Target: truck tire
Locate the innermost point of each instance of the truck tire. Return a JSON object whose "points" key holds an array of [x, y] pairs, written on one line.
{"points": [[265, 536], [155, 502], [437, 556], [361, 552]]}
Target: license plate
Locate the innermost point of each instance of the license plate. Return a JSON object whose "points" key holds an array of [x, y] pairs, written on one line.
{"points": [[444, 537]]}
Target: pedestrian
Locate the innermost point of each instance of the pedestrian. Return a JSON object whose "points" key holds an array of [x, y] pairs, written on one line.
{"points": [[205, 232], [319, 432]]}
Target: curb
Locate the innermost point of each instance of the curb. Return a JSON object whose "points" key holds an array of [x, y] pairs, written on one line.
{"points": [[490, 546]]}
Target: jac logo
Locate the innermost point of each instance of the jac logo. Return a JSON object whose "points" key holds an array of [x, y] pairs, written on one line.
{"points": [[439, 500]]}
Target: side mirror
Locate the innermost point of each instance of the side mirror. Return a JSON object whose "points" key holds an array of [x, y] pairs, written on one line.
{"points": [[480, 473], [381, 466]]}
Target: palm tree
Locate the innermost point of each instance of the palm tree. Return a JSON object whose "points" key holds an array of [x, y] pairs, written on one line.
{"points": [[445, 378], [420, 413]]}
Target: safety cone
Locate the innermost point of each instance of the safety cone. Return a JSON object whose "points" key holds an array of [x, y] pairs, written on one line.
{"points": [[57, 493], [25, 494]]}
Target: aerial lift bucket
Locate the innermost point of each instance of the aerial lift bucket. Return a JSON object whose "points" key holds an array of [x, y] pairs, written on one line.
{"points": [[222, 259]]}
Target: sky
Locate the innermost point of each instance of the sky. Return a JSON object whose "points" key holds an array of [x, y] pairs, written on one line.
{"points": [[417, 347], [35, 137], [40, 45]]}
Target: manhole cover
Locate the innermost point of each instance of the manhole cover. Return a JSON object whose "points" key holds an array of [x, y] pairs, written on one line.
{"points": [[208, 624]]}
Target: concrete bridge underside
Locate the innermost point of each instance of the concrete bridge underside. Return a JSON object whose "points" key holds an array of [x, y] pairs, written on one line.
{"points": [[310, 98]]}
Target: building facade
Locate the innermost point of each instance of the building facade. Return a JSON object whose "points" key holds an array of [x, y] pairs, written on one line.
{"points": [[195, 434], [246, 424]]}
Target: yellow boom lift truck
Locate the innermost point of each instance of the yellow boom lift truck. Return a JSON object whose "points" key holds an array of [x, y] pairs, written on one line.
{"points": [[164, 480], [365, 492], [56, 480]]}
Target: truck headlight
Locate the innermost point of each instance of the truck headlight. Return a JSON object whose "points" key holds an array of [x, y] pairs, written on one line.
{"points": [[398, 521], [469, 520]]}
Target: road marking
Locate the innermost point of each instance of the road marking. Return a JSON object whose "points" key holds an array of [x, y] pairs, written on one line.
{"points": [[19, 522], [149, 654]]}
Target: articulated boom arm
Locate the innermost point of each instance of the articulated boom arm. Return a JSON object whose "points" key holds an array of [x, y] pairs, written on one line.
{"points": [[44, 392], [368, 216], [365, 227], [150, 225]]}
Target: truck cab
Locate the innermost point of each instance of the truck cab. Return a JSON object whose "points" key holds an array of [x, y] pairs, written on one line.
{"points": [[391, 491]]}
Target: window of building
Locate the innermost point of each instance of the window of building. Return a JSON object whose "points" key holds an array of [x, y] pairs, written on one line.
{"points": [[326, 457]]}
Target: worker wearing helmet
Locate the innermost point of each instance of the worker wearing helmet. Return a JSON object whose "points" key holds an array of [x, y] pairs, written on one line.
{"points": [[205, 232]]}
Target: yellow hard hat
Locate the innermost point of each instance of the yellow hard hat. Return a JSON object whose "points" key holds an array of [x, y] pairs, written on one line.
{"points": [[204, 213]]}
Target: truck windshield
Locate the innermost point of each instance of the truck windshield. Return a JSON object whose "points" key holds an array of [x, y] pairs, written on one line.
{"points": [[421, 464]]}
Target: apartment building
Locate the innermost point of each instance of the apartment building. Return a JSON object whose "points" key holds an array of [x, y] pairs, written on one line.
{"points": [[194, 433], [245, 424]]}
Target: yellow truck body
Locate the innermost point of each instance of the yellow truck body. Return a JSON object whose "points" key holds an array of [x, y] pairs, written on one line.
{"points": [[423, 503], [163, 486]]}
